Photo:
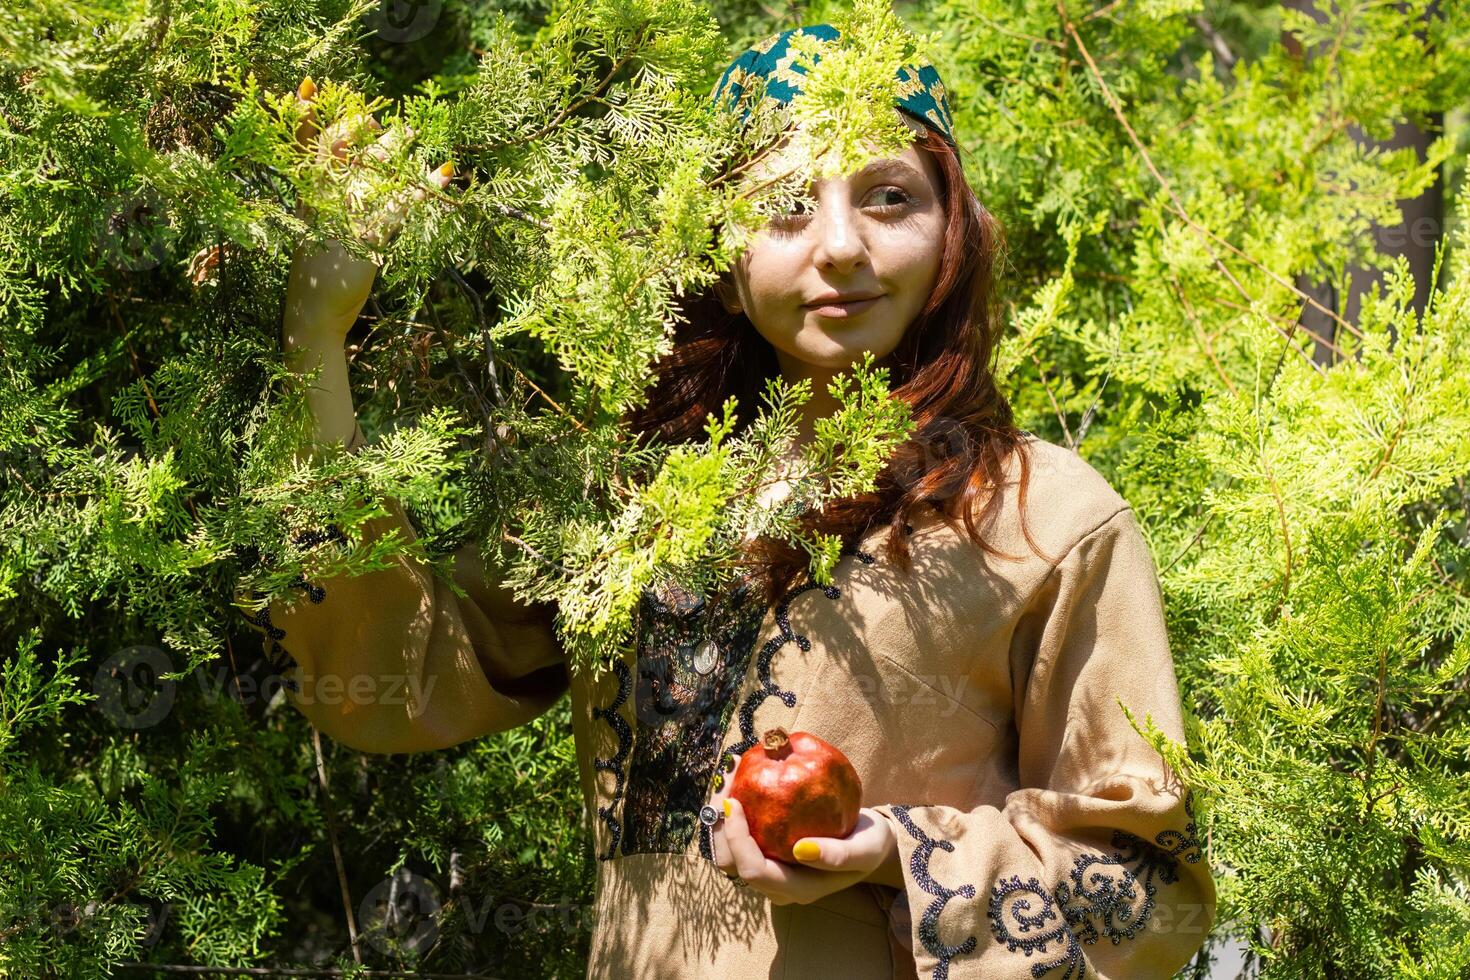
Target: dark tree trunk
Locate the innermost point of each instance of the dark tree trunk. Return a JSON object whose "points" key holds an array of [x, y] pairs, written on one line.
{"points": [[1416, 236]]}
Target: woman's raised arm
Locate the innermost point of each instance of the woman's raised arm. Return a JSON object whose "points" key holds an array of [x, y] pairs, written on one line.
{"points": [[393, 660]]}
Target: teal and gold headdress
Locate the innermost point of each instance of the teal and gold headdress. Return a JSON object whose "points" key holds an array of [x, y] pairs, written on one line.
{"points": [[921, 93]]}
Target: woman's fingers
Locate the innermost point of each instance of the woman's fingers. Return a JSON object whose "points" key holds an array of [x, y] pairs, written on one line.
{"points": [[723, 860], [306, 129], [744, 851], [860, 850], [349, 142], [383, 148], [343, 136], [385, 224], [339, 139]]}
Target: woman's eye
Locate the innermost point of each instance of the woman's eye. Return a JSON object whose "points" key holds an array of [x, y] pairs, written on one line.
{"points": [[889, 198], [790, 220]]}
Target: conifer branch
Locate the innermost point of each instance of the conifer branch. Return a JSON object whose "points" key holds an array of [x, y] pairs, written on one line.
{"points": [[1177, 205], [634, 48], [1316, 337], [1398, 432], [288, 971], [537, 555], [1199, 334], [1061, 416], [329, 813], [1370, 752], [1195, 539], [464, 375], [491, 372], [512, 212], [557, 406], [1280, 503]]}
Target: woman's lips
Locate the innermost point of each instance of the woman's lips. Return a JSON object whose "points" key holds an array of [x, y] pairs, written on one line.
{"points": [[839, 310]]}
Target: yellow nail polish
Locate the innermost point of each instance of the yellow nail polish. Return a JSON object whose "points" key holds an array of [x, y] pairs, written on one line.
{"points": [[307, 88], [806, 850], [727, 806], [447, 169]]}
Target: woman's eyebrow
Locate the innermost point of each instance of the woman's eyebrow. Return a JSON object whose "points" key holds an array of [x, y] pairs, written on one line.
{"points": [[886, 168]]}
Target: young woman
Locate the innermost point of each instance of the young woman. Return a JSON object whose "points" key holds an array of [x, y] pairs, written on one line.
{"points": [[971, 657]]}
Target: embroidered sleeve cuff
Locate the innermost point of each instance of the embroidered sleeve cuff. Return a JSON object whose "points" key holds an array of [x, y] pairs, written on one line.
{"points": [[982, 903]]}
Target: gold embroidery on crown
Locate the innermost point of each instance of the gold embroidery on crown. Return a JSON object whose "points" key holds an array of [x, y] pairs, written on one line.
{"points": [[785, 73], [937, 93], [909, 83], [743, 77], [747, 81], [767, 44]]}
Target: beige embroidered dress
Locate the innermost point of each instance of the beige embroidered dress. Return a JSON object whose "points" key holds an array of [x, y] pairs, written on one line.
{"points": [[978, 697]]}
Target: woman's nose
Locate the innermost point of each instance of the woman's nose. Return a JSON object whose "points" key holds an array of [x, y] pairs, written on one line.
{"points": [[839, 245]]}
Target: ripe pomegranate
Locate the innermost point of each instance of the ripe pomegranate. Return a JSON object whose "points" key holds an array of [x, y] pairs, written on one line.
{"points": [[793, 786]]}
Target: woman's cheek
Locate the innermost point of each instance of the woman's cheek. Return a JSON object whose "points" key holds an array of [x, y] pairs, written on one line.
{"points": [[919, 273], [770, 288]]}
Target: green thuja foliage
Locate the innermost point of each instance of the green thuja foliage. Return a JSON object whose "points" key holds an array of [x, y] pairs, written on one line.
{"points": [[1170, 176], [160, 801]]}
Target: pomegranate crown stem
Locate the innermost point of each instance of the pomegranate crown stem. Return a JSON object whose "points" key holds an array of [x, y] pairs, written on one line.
{"points": [[776, 742]]}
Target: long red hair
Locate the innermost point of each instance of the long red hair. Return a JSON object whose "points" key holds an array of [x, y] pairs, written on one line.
{"points": [[943, 368]]}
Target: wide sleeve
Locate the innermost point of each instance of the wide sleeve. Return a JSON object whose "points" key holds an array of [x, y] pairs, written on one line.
{"points": [[394, 661], [1093, 866]]}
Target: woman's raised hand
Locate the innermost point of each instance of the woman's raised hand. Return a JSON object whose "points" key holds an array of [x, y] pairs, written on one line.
{"points": [[328, 285]]}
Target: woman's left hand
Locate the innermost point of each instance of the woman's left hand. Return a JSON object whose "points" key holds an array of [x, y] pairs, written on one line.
{"points": [[839, 862]]}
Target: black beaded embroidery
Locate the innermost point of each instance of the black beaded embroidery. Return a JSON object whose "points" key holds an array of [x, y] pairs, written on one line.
{"points": [[275, 653], [768, 688], [1100, 897], [610, 713], [929, 923], [681, 713], [1183, 844]]}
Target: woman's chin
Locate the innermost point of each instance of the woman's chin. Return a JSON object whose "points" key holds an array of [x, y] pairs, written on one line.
{"points": [[832, 346], [836, 358], [839, 348]]}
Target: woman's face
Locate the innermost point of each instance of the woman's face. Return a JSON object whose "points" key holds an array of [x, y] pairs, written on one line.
{"points": [[824, 287]]}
